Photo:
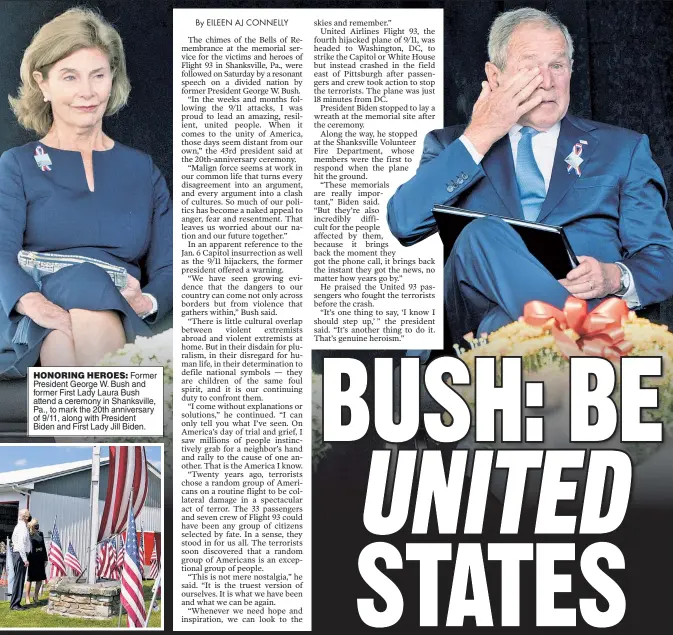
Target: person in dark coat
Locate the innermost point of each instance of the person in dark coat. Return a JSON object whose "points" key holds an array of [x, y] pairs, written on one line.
{"points": [[37, 560]]}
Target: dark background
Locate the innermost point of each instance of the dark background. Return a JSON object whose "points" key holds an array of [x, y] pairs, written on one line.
{"points": [[622, 76]]}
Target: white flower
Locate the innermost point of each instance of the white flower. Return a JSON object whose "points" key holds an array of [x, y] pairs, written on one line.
{"points": [[149, 351]]}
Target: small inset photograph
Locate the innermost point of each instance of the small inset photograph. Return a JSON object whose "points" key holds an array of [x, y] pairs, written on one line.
{"points": [[81, 536]]}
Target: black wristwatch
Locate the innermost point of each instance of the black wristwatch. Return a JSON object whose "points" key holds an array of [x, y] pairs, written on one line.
{"points": [[625, 280]]}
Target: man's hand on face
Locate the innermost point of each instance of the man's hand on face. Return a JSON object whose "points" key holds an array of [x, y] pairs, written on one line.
{"points": [[592, 279], [497, 110]]}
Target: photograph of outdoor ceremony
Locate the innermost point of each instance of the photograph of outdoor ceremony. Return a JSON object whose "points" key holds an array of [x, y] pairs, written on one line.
{"points": [[81, 536]]}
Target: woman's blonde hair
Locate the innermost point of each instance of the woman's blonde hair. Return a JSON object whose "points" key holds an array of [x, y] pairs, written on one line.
{"points": [[33, 526], [76, 29]]}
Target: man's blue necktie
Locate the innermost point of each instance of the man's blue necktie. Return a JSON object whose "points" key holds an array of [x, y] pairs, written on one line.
{"points": [[528, 176]]}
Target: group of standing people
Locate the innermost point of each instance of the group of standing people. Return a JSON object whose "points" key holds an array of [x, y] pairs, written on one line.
{"points": [[29, 559]]}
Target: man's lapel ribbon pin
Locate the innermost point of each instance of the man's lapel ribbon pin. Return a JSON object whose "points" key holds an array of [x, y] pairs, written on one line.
{"points": [[574, 159]]}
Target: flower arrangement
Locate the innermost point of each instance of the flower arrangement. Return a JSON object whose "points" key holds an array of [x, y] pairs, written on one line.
{"points": [[149, 351], [545, 338]]}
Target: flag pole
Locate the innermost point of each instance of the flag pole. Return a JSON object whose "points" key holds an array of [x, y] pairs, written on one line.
{"points": [[93, 540], [142, 564], [119, 619], [155, 590]]}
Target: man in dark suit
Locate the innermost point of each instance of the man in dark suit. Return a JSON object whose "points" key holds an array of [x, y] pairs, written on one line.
{"points": [[524, 157]]}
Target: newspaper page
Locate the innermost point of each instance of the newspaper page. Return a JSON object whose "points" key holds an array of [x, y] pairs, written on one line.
{"points": [[382, 407]]}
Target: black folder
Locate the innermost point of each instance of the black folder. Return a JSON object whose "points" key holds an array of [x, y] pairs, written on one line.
{"points": [[548, 243]]}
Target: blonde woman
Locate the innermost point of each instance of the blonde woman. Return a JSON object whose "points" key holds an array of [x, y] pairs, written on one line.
{"points": [[91, 217], [37, 560]]}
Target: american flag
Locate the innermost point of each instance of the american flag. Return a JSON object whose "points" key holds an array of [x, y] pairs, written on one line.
{"points": [[72, 561], [111, 558], [132, 582], [120, 554], [127, 473], [113, 572], [105, 560], [100, 559], [154, 563], [56, 555]]}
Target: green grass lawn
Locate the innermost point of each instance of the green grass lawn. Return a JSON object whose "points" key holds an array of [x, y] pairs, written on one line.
{"points": [[37, 616]]}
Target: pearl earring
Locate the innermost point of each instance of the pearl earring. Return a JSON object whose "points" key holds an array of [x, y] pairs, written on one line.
{"points": [[46, 99]]}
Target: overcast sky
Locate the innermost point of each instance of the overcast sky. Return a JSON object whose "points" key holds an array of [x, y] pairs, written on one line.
{"points": [[20, 457]]}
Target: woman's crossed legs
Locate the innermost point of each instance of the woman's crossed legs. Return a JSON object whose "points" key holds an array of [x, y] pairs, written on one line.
{"points": [[94, 334]]}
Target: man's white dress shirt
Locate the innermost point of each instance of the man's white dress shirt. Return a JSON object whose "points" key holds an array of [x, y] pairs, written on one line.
{"points": [[155, 306], [21, 540]]}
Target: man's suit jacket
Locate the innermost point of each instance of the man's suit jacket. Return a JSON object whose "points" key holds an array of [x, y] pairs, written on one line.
{"points": [[614, 211]]}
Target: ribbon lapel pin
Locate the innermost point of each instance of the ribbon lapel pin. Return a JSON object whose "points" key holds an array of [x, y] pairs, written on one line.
{"points": [[42, 159], [574, 159]]}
